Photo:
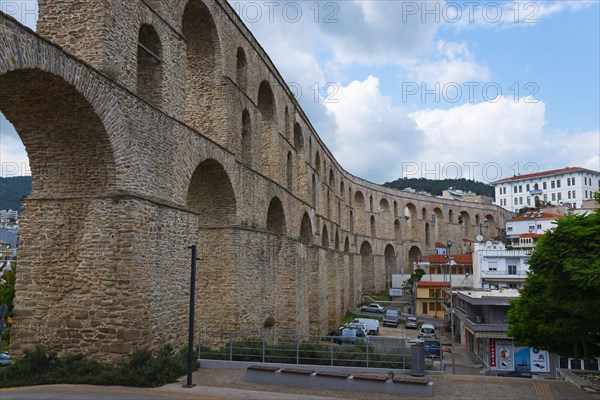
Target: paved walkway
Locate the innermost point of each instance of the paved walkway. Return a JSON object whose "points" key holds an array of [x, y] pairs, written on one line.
{"points": [[230, 384]]}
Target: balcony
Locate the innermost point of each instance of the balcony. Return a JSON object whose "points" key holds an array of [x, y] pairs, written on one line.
{"points": [[505, 272]]}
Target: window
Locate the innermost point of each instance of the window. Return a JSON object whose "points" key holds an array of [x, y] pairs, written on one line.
{"points": [[520, 188], [558, 183], [559, 196], [512, 269], [520, 200], [516, 201], [509, 228], [527, 187], [544, 185], [545, 197], [528, 201], [585, 194], [553, 184], [492, 269], [531, 228], [515, 189], [553, 196], [569, 194], [539, 226]]}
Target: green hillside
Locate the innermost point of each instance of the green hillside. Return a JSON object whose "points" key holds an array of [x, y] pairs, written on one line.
{"points": [[11, 191], [435, 187]]}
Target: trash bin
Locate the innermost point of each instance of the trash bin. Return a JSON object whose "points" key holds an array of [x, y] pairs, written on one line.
{"points": [[417, 359]]}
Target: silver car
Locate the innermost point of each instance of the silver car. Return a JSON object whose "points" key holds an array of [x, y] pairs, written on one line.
{"points": [[4, 359], [411, 323]]}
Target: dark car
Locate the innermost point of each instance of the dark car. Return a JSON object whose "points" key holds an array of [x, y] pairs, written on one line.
{"points": [[4, 359], [391, 317], [433, 349], [350, 336], [374, 308]]}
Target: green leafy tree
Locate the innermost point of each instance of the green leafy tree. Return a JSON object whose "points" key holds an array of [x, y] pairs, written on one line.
{"points": [[7, 296], [559, 303], [410, 284]]}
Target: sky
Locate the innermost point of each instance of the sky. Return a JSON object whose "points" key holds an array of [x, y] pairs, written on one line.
{"points": [[438, 89]]}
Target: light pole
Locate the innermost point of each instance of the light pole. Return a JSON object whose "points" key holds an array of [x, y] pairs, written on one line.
{"points": [[449, 245]]}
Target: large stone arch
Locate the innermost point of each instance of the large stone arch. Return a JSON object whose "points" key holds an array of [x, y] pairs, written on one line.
{"points": [[276, 217], [492, 230], [306, 231], [69, 149], [389, 256], [414, 255], [211, 195], [67, 234], [203, 93], [367, 263]]}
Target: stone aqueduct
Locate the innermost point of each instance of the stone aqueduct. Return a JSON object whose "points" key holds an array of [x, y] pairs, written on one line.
{"points": [[152, 125]]}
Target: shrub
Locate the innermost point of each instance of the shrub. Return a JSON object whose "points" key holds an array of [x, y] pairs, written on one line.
{"points": [[39, 367]]}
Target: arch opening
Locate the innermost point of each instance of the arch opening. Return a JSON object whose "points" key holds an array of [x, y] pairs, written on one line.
{"points": [[306, 233], [325, 238], [241, 71], [247, 154], [200, 31], [367, 267], [149, 65], [68, 147], [276, 217], [211, 195]]}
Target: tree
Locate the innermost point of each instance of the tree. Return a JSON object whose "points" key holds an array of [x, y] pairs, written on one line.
{"points": [[559, 303], [7, 296], [411, 283]]}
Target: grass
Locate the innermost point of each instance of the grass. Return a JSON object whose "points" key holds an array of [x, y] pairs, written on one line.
{"points": [[143, 369]]}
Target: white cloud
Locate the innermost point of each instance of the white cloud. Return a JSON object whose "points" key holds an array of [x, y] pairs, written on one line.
{"points": [[506, 134], [454, 63], [371, 136], [498, 15]]}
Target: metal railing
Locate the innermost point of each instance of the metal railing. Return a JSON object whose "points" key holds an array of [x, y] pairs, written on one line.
{"points": [[365, 352]]}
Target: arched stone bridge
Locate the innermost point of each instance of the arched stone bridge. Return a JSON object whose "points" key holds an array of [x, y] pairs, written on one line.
{"points": [[152, 125]]}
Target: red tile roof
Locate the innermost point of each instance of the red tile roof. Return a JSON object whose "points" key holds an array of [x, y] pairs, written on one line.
{"points": [[531, 235], [458, 258], [532, 217], [433, 284], [544, 173]]}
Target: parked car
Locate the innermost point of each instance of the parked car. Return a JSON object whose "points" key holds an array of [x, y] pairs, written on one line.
{"points": [[347, 335], [371, 324], [411, 323], [356, 325], [4, 359], [433, 349], [427, 331], [374, 308], [391, 317]]}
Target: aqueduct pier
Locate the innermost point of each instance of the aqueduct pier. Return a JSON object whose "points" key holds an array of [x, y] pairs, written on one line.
{"points": [[151, 125]]}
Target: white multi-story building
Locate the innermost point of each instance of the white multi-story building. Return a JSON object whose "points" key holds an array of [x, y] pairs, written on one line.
{"points": [[524, 230], [567, 186], [496, 267]]}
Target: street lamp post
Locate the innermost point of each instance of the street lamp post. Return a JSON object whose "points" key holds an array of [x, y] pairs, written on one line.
{"points": [[449, 245]]}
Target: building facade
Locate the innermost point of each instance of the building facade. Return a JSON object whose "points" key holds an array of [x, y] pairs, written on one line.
{"points": [[496, 267], [481, 324], [524, 231], [566, 186]]}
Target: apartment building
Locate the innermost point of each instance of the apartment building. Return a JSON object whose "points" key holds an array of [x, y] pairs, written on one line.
{"points": [[569, 187]]}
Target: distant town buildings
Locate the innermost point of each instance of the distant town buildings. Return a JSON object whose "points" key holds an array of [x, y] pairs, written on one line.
{"points": [[568, 187], [457, 194]]}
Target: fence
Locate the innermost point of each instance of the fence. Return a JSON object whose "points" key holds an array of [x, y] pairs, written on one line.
{"points": [[368, 352]]}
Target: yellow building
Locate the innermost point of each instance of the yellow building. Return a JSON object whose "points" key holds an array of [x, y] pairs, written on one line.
{"points": [[430, 299]]}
